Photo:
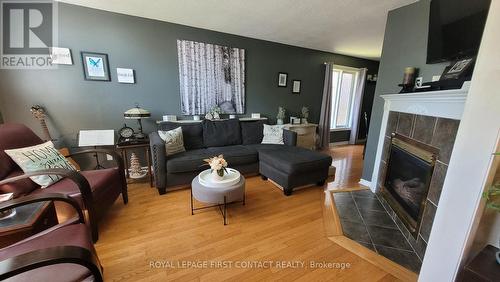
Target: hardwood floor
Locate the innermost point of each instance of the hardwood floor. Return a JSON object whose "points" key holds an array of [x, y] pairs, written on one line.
{"points": [[270, 227]]}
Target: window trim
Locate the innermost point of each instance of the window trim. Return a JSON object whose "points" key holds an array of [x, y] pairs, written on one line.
{"points": [[333, 117]]}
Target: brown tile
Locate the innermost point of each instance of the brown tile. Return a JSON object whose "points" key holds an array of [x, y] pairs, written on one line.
{"points": [[427, 220], [392, 123], [424, 128], [420, 247], [444, 137], [437, 181], [405, 123], [386, 148]]}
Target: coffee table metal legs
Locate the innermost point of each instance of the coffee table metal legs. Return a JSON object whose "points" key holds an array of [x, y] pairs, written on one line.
{"points": [[222, 207]]}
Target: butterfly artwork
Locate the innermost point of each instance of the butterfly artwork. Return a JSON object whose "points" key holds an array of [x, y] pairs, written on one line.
{"points": [[95, 66]]}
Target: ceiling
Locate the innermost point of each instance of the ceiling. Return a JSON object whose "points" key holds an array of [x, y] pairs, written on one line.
{"points": [[349, 27]]}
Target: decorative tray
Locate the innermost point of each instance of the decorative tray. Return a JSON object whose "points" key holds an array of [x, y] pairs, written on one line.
{"points": [[229, 179]]}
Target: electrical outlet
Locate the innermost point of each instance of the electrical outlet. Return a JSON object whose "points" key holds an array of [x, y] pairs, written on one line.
{"points": [[418, 81], [109, 157], [436, 78]]}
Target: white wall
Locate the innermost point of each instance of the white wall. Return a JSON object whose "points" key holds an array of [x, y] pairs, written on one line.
{"points": [[461, 203]]}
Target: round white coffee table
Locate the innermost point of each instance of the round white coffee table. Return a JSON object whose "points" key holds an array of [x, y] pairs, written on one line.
{"points": [[220, 196]]}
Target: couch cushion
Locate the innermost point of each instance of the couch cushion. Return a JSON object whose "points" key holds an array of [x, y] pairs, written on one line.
{"points": [[12, 136], [19, 188], [192, 133], [218, 133], [71, 235], [102, 182], [262, 147], [252, 132], [190, 161], [293, 160]]}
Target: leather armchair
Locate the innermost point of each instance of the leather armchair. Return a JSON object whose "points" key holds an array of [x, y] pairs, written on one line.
{"points": [[94, 190], [60, 253]]}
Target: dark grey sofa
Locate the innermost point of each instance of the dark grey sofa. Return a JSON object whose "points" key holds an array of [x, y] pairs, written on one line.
{"points": [[239, 142]]}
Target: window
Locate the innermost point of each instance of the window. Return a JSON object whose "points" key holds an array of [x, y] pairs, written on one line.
{"points": [[343, 89]]}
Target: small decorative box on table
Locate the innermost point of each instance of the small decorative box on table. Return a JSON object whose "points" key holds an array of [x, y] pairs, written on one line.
{"points": [[229, 190]]}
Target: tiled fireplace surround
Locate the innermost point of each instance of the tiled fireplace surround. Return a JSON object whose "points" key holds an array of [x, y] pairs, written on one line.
{"points": [[434, 131], [432, 118]]}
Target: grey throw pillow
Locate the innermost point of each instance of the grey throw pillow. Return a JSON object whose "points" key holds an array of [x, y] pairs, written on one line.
{"points": [[174, 142], [273, 134]]}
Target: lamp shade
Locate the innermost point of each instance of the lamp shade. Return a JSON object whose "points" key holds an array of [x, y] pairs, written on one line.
{"points": [[137, 113]]}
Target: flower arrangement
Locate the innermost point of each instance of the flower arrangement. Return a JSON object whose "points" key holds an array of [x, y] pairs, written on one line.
{"points": [[214, 113], [305, 114], [281, 115], [218, 166]]}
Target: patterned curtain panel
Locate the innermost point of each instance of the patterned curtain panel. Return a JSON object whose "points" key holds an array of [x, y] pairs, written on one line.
{"points": [[211, 75]]}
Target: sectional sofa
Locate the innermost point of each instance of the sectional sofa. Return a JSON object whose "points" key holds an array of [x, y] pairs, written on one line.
{"points": [[240, 143]]}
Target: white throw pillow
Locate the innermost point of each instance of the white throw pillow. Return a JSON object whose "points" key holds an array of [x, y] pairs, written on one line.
{"points": [[173, 141], [39, 157], [273, 134]]}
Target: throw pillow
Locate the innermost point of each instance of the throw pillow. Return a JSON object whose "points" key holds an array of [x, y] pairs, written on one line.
{"points": [[174, 142], [273, 134], [39, 157]]}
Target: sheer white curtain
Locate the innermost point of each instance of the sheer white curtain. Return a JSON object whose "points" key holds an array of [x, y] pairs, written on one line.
{"points": [[326, 109], [356, 107]]}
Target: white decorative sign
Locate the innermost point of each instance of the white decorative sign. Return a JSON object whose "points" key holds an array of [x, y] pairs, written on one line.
{"points": [[96, 138], [125, 75], [60, 56]]}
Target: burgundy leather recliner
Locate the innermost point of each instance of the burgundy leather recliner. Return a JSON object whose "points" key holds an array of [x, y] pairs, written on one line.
{"points": [[94, 190]]}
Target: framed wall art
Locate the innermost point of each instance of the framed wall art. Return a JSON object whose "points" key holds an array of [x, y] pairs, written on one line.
{"points": [[95, 66]]}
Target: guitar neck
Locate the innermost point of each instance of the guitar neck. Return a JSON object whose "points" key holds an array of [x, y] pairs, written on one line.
{"points": [[45, 129]]}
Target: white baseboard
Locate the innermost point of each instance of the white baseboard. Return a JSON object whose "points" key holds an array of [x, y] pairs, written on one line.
{"points": [[368, 184]]}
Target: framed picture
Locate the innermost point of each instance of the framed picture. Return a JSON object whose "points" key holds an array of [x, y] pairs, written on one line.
{"points": [[125, 75], [296, 86], [282, 79], [60, 56], [95, 66]]}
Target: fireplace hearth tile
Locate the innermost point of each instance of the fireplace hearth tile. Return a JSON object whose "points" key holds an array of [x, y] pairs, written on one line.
{"points": [[420, 247], [407, 259], [444, 137], [427, 220], [369, 203], [377, 218], [355, 231], [388, 237], [364, 194], [390, 241], [424, 128], [349, 212], [437, 182], [405, 124]]}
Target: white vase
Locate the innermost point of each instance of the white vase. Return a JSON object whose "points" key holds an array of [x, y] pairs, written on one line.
{"points": [[216, 177], [279, 121]]}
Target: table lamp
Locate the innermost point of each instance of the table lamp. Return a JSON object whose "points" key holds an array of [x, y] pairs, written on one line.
{"points": [[137, 113]]}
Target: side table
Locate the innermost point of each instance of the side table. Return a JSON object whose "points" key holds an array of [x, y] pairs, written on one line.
{"points": [[139, 145], [28, 220], [306, 134]]}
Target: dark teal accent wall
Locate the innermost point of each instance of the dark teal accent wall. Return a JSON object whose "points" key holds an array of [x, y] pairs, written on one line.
{"points": [[149, 47], [405, 45]]}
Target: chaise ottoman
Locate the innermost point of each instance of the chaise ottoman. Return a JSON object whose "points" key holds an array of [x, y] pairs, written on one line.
{"points": [[291, 167]]}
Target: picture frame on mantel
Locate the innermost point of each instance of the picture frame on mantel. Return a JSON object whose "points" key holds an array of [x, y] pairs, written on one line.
{"points": [[282, 79], [296, 85], [95, 66]]}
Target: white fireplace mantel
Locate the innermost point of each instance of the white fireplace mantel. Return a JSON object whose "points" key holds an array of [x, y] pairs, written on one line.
{"points": [[444, 104]]}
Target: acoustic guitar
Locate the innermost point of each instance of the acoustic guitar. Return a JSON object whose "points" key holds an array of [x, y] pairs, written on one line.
{"points": [[39, 114]]}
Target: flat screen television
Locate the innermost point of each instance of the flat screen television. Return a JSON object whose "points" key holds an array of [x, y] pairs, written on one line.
{"points": [[455, 29]]}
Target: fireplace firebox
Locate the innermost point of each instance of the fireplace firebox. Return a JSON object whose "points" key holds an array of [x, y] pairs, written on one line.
{"points": [[408, 177]]}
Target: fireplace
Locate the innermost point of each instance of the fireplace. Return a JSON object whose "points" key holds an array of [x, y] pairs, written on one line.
{"points": [[408, 177]]}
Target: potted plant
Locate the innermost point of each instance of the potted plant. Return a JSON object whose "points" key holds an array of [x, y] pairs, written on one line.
{"points": [[218, 167], [281, 115], [305, 114], [492, 196]]}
